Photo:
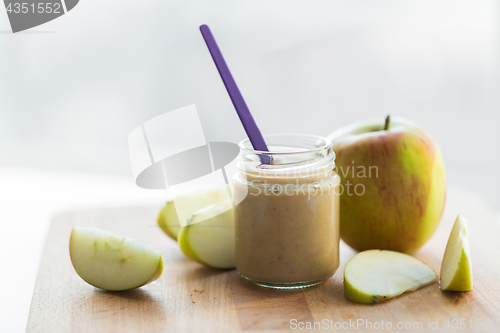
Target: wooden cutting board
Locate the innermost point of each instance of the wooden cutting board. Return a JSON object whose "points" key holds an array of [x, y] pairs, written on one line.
{"points": [[190, 297]]}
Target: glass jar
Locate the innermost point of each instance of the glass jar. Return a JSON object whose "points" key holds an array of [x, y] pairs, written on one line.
{"points": [[287, 212]]}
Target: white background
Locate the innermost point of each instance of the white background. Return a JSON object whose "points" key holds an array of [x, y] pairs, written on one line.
{"points": [[73, 89]]}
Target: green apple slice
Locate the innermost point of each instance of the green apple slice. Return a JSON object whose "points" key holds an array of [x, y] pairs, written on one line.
{"points": [[112, 262], [168, 219], [375, 276], [456, 269], [210, 242]]}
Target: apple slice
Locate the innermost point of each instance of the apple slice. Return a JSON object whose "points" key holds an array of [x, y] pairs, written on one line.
{"points": [[112, 262], [168, 219], [375, 276], [456, 269], [210, 242]]}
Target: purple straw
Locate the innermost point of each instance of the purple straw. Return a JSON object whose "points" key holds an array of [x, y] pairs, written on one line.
{"points": [[241, 107]]}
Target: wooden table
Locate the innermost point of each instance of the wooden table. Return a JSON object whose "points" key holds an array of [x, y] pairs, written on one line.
{"points": [[190, 297]]}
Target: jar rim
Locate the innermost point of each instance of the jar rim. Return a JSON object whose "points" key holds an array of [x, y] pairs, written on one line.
{"points": [[327, 144]]}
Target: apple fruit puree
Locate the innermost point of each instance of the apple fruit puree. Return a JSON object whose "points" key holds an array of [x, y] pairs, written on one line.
{"points": [[287, 218]]}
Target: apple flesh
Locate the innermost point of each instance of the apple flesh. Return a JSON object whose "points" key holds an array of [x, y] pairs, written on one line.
{"points": [[375, 276], [112, 262], [168, 219], [456, 269], [212, 241], [393, 187]]}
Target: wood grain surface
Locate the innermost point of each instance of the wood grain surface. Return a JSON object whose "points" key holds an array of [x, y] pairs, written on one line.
{"points": [[190, 297]]}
